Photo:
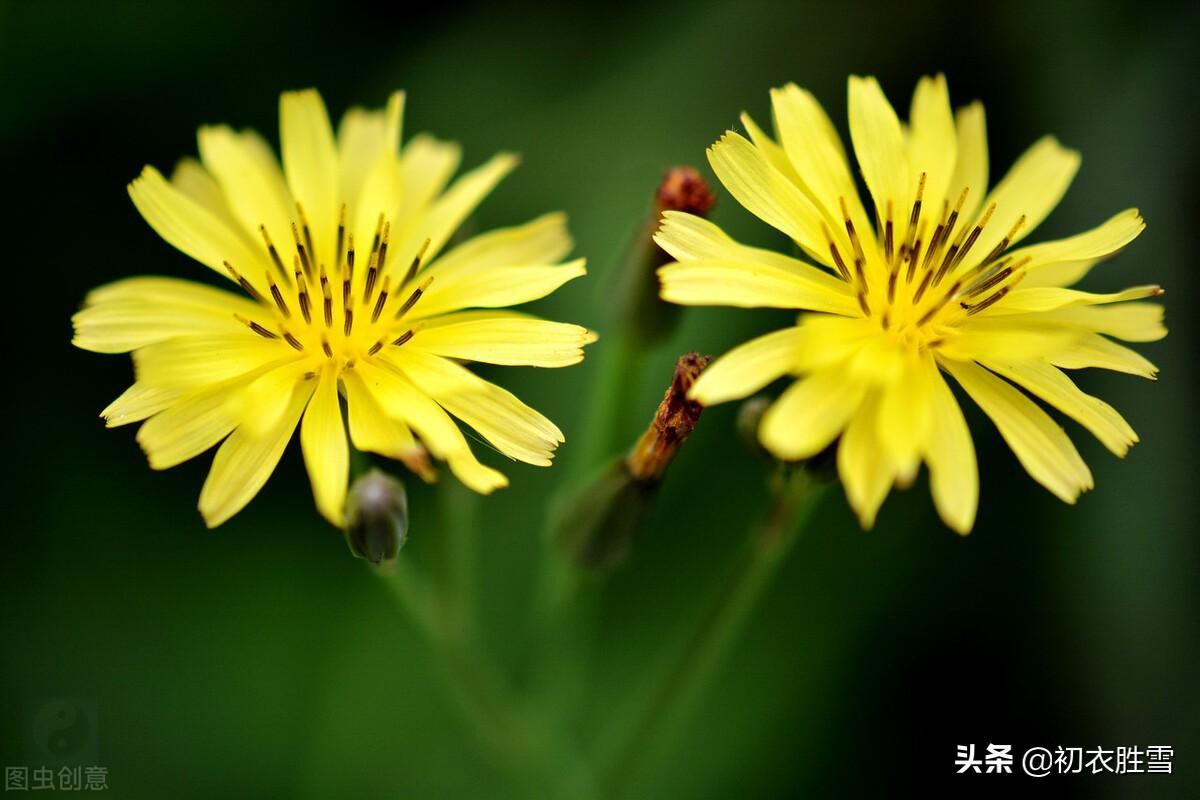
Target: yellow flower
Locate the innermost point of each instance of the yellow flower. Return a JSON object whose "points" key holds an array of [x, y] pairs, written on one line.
{"points": [[930, 284], [342, 291]]}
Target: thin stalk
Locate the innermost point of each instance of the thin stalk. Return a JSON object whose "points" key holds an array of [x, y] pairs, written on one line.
{"points": [[684, 682]]}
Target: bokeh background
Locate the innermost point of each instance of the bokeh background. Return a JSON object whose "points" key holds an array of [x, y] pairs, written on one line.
{"points": [[261, 660]]}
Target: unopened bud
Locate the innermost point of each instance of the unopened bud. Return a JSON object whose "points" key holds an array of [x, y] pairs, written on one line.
{"points": [[644, 314], [376, 517], [597, 524], [672, 424], [749, 417]]}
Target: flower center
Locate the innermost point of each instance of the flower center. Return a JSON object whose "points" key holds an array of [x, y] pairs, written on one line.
{"points": [[918, 286], [341, 314]]}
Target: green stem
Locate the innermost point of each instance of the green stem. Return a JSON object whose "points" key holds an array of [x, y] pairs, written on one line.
{"points": [[794, 498], [521, 737], [458, 513]]}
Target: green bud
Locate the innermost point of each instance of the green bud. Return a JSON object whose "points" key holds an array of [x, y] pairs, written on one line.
{"points": [[749, 417], [644, 315], [376, 517]]}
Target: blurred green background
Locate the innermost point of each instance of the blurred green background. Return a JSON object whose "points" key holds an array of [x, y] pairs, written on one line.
{"points": [[261, 660]]}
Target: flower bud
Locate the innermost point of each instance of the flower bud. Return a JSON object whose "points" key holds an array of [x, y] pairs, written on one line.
{"points": [[749, 416], [376, 517], [643, 314], [596, 525]]}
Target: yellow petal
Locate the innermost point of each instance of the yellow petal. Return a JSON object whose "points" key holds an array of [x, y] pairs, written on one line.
{"points": [[364, 136], [1045, 298], [326, 454], [243, 463], [371, 429], [188, 362], [1031, 189], [1058, 274], [1038, 442], [766, 192], [1012, 337], [426, 166], [1131, 322], [775, 155], [749, 367], [495, 288], [402, 400], [1050, 384], [135, 312], [136, 403], [866, 470], [933, 147], [905, 418], [263, 401], [950, 454], [253, 185], [881, 148], [810, 414], [971, 165], [191, 228], [815, 151], [736, 283], [545, 240], [1100, 242], [1094, 350], [188, 427], [190, 177], [448, 212], [507, 340], [513, 427], [310, 163]]}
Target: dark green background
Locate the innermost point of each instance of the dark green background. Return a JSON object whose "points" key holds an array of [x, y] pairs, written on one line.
{"points": [[260, 660]]}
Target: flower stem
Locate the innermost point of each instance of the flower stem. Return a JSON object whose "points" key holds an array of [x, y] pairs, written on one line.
{"points": [[524, 740], [794, 497]]}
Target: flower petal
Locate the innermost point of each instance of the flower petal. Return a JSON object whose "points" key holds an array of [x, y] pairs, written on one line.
{"points": [[1038, 442], [136, 403], [449, 211], [426, 166], [310, 163], [1131, 322], [971, 165], [544, 240], [815, 151], [1051, 385], [363, 138], [243, 463], [191, 228], [254, 187], [495, 288], [507, 340], [188, 427], [749, 367], [950, 454], [1094, 350], [326, 453], [905, 418], [513, 427], [1031, 189], [188, 362], [402, 400], [766, 192], [810, 414], [866, 470], [737, 283], [371, 429], [932, 147], [881, 148], [135, 312], [1044, 298], [1100, 242]]}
